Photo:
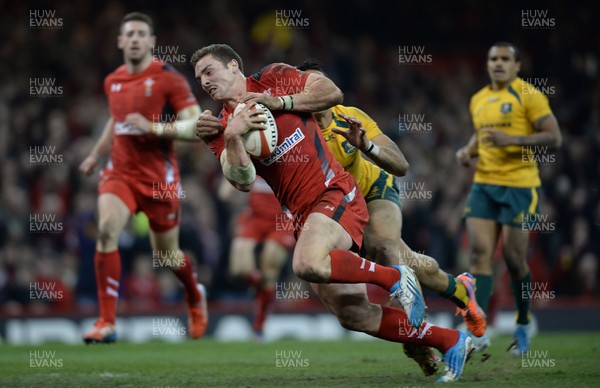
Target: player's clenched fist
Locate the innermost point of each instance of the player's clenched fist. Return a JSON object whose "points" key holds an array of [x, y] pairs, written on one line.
{"points": [[88, 165], [463, 156], [207, 125]]}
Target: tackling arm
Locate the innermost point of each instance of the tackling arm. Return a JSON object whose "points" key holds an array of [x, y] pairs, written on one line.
{"points": [[387, 155], [320, 93]]}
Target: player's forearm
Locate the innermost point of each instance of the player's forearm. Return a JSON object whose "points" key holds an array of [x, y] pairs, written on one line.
{"points": [[472, 146], [389, 158], [236, 164], [184, 128], [103, 144], [318, 96], [544, 139]]}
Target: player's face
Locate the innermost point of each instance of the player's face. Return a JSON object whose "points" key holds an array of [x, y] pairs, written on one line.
{"points": [[501, 64], [135, 40], [215, 77]]}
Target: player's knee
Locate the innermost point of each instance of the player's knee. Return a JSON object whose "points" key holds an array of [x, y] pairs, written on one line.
{"points": [[481, 255], [353, 318], [107, 232], [384, 251], [307, 269], [239, 272], [516, 266]]}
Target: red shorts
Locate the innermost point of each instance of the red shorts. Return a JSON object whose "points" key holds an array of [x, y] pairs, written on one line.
{"points": [[160, 201], [344, 203], [275, 227]]}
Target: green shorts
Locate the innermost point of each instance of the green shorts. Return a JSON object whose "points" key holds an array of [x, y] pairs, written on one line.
{"points": [[506, 205], [384, 188]]}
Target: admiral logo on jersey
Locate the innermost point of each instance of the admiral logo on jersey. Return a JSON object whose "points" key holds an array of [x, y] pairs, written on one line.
{"points": [[282, 149]]}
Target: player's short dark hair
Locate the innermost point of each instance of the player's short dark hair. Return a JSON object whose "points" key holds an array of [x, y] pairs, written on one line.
{"points": [[311, 64], [514, 48], [222, 53], [139, 17]]}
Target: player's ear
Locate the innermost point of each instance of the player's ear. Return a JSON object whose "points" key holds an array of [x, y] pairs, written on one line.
{"points": [[235, 66], [518, 66], [120, 43], [153, 41]]}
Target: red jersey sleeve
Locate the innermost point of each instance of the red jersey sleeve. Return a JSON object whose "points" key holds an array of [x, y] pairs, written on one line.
{"points": [[106, 84], [283, 79], [179, 93]]}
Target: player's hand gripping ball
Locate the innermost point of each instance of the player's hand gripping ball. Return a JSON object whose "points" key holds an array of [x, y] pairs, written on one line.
{"points": [[260, 144]]}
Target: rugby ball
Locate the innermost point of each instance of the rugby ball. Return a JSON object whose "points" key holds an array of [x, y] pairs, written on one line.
{"points": [[260, 144]]}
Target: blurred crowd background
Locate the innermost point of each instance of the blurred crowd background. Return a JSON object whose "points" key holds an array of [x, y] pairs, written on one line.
{"points": [[359, 46]]}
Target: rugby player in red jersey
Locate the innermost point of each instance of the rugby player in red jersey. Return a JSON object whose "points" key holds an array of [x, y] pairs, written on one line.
{"points": [[322, 198], [262, 223], [142, 173]]}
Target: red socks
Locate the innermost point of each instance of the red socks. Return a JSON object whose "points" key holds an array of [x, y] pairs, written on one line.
{"points": [[395, 327], [264, 300], [187, 277], [349, 268], [108, 275]]}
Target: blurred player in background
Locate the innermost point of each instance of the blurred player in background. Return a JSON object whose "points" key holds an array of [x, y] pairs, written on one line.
{"points": [[348, 130], [142, 172], [329, 212], [261, 222], [513, 122]]}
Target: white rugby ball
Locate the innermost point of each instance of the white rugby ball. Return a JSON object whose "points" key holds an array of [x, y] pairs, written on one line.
{"points": [[260, 144]]}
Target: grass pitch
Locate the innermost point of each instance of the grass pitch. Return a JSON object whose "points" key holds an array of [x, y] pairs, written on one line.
{"points": [[562, 360]]}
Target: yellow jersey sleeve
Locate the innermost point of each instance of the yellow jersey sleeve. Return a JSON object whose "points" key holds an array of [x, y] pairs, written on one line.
{"points": [[350, 157], [370, 126], [536, 105]]}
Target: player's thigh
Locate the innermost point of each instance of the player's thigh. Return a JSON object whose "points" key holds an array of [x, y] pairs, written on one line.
{"points": [[382, 233], [165, 240], [320, 235], [113, 215], [241, 256]]}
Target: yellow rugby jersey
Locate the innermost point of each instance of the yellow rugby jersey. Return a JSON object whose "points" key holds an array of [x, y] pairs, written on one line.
{"points": [[512, 110], [365, 172]]}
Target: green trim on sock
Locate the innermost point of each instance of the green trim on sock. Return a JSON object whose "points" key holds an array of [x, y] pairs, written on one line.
{"points": [[484, 290], [451, 289], [520, 288]]}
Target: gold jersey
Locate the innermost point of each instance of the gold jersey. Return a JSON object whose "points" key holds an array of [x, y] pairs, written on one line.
{"points": [[512, 110], [364, 171]]}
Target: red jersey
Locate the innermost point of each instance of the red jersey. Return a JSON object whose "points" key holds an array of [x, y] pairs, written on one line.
{"points": [[262, 201], [157, 93], [302, 167]]}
